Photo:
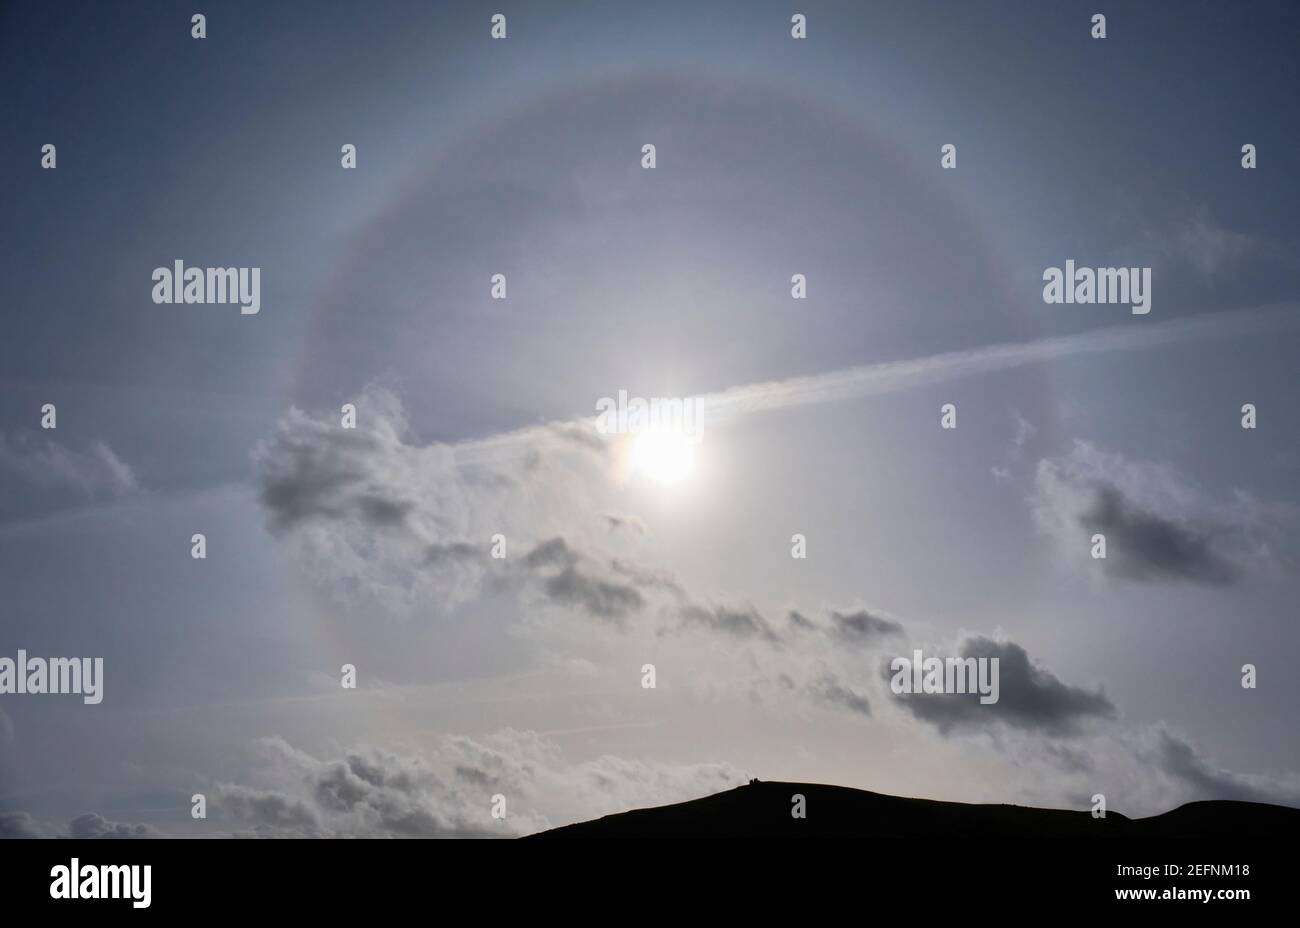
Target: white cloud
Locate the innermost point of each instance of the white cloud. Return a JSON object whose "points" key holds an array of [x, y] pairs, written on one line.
{"points": [[379, 518], [447, 790]]}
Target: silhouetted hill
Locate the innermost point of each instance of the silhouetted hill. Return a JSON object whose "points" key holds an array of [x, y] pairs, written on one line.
{"points": [[763, 810]]}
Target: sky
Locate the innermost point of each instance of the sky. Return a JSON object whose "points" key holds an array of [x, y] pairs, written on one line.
{"points": [[523, 676]]}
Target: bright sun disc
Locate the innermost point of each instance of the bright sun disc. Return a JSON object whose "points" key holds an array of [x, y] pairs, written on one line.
{"points": [[663, 455]]}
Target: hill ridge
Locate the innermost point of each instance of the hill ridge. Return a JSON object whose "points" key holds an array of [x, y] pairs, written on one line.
{"points": [[763, 809]]}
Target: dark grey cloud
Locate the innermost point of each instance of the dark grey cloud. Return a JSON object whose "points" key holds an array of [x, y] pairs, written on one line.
{"points": [[267, 810], [825, 688], [648, 578], [389, 794], [309, 471], [862, 626], [1159, 528], [453, 552], [829, 690], [738, 621], [377, 510], [1179, 760], [571, 585], [801, 621], [597, 597], [553, 552], [1142, 545], [847, 626], [604, 597], [1030, 697]]}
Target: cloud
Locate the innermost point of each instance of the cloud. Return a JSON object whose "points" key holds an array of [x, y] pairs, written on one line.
{"points": [[828, 690], [610, 784], [268, 810], [737, 621], [648, 578], [353, 503], [448, 790], [619, 520], [1209, 246], [801, 621], [1143, 771], [381, 520], [597, 597], [437, 555], [55, 476], [564, 582], [93, 825], [90, 825], [1158, 528], [863, 626], [1030, 697], [1144, 546], [1070, 760], [1197, 241], [367, 793], [1024, 431], [19, 825], [409, 526], [1177, 759], [315, 470]]}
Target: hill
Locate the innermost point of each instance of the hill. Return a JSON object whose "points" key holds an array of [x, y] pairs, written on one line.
{"points": [[763, 810]]}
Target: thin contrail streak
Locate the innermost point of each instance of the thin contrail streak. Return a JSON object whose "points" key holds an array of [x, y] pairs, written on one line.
{"points": [[893, 376]]}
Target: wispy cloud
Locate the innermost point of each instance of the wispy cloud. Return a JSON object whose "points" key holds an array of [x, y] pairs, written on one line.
{"points": [[54, 476]]}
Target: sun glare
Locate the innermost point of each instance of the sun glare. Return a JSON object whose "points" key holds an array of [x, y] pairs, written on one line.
{"points": [[664, 455]]}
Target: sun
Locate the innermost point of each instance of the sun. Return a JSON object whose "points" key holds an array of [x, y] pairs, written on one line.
{"points": [[664, 455]]}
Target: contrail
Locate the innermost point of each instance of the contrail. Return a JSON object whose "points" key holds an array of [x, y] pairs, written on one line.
{"points": [[893, 376]]}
